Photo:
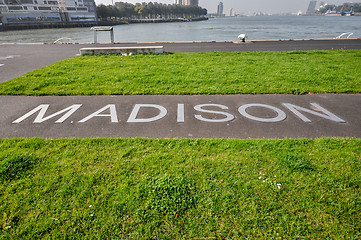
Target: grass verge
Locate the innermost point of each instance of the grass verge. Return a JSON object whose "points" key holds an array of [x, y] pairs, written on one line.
{"points": [[180, 188], [294, 72]]}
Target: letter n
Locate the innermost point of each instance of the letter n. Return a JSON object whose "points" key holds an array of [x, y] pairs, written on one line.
{"points": [[325, 114], [42, 110]]}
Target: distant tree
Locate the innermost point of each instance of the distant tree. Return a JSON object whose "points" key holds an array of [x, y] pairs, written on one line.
{"points": [[103, 12], [346, 7], [148, 10]]}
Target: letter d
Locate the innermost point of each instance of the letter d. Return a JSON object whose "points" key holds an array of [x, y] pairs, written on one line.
{"points": [[133, 116]]}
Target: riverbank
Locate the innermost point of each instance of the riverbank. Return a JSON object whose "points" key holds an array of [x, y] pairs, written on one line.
{"points": [[26, 26], [158, 20], [46, 25]]}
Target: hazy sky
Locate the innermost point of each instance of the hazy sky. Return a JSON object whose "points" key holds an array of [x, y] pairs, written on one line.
{"points": [[244, 6]]}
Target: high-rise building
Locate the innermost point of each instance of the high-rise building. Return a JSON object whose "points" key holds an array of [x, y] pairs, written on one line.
{"points": [[194, 2], [47, 11], [311, 8], [231, 12], [220, 9], [188, 2]]}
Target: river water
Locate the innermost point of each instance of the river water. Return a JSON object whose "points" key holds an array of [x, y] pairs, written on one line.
{"points": [[215, 29]]}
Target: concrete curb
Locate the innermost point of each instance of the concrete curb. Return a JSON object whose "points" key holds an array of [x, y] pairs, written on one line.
{"points": [[120, 50]]}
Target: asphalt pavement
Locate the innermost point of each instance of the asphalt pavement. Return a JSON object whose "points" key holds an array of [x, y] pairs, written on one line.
{"points": [[205, 116]]}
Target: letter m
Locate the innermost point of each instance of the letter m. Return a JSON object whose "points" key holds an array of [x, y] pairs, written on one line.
{"points": [[42, 110]]}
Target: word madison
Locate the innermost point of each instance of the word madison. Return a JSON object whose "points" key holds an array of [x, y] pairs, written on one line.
{"points": [[216, 113]]}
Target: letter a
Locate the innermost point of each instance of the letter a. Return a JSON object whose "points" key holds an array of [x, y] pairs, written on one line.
{"points": [[112, 115]]}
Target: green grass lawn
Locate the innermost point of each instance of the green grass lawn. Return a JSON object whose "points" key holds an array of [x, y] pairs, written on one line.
{"points": [[295, 72], [184, 188], [180, 189]]}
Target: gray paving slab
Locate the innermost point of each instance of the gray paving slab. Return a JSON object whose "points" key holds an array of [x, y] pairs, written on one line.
{"points": [[18, 59], [205, 116]]}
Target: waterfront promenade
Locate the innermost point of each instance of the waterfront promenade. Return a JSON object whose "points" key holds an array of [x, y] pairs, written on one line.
{"points": [[18, 59]]}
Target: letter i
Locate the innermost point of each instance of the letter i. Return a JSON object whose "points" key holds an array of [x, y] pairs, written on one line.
{"points": [[180, 113]]}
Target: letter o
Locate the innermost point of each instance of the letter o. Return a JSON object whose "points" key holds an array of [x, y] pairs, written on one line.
{"points": [[281, 115]]}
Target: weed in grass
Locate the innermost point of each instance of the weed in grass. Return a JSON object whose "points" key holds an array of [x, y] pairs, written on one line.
{"points": [[298, 92], [295, 162], [14, 167], [8, 221], [270, 182], [167, 198], [167, 195]]}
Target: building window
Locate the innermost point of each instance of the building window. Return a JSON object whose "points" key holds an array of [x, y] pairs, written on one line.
{"points": [[15, 8], [44, 8], [27, 1]]}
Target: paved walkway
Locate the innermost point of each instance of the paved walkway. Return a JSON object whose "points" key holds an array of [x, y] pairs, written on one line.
{"points": [[217, 116], [18, 59]]}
